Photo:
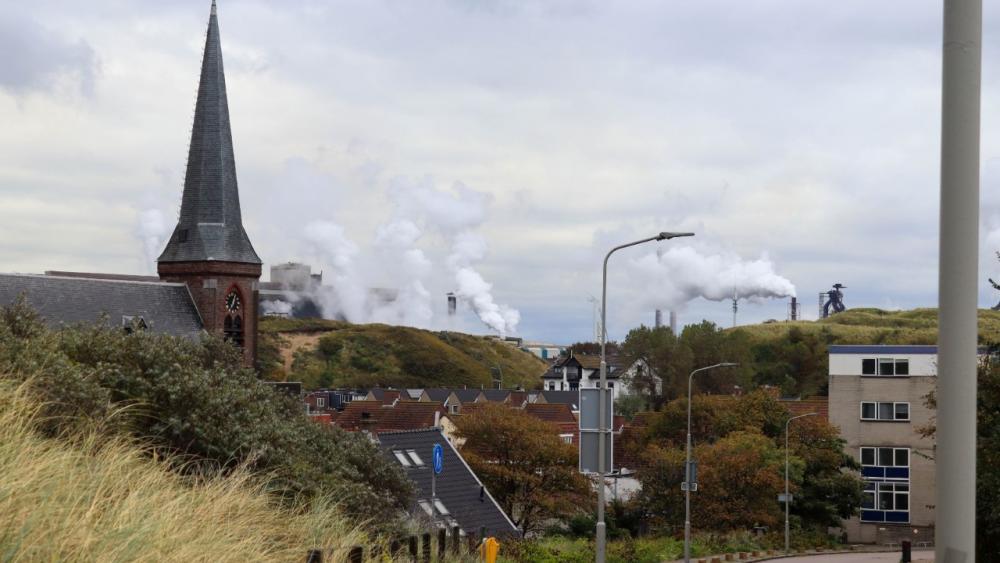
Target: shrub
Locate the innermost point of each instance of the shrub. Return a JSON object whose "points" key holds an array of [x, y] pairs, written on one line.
{"points": [[193, 398]]}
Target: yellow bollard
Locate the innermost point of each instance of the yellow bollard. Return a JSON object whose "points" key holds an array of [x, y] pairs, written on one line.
{"points": [[490, 550]]}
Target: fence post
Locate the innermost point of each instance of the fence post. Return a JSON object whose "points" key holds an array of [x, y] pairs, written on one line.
{"points": [[356, 555], [394, 548], [315, 556], [456, 539], [472, 543], [426, 547], [413, 548], [442, 541]]}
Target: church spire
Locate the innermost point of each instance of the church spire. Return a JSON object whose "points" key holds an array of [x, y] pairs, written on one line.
{"points": [[210, 227]]}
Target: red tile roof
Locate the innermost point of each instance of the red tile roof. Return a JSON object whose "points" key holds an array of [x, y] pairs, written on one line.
{"points": [[820, 405], [551, 412]]}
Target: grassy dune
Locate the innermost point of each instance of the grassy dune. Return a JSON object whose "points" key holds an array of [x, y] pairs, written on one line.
{"points": [[327, 353], [92, 496], [875, 326]]}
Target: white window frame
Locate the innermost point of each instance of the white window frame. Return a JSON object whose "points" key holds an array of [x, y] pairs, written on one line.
{"points": [[320, 402], [878, 404], [896, 363], [861, 456], [401, 458], [567, 438], [415, 458]]}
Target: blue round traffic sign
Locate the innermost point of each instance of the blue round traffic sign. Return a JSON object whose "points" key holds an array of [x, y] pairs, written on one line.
{"points": [[438, 458]]}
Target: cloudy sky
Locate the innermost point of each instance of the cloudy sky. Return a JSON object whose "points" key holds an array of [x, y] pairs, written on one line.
{"points": [[799, 140]]}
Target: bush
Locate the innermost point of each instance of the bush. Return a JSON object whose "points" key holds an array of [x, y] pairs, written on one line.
{"points": [[91, 496], [192, 398]]}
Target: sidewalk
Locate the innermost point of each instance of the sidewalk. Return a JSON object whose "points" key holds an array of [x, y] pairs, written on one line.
{"points": [[845, 556]]}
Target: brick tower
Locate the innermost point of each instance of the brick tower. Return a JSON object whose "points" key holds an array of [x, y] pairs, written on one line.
{"points": [[209, 250]]}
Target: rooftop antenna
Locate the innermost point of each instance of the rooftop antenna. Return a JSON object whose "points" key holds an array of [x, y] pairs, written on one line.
{"points": [[735, 306]]}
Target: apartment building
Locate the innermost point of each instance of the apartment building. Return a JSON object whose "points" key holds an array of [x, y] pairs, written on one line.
{"points": [[877, 399]]}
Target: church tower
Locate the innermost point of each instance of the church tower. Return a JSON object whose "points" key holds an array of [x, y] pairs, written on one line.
{"points": [[209, 250]]}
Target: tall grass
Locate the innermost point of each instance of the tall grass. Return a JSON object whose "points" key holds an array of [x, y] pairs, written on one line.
{"points": [[98, 496]]}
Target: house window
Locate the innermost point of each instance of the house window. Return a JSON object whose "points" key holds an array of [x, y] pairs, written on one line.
{"points": [[402, 459], [131, 324], [440, 507], [415, 458], [453, 409], [886, 471], [426, 506], [885, 366], [320, 402], [885, 411], [567, 438]]}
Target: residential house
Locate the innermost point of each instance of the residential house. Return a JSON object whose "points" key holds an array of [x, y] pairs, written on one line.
{"points": [[458, 498]]}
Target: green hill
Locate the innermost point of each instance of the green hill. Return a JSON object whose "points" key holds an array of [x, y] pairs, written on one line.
{"points": [[324, 353], [873, 326]]}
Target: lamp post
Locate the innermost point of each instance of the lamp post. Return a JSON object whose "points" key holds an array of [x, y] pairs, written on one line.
{"points": [[787, 500], [602, 435], [688, 476]]}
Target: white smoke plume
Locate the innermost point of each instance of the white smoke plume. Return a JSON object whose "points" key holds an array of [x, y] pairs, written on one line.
{"points": [[390, 283], [153, 230], [680, 274], [456, 215]]}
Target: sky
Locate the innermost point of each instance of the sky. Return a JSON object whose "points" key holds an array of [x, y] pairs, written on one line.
{"points": [[799, 140]]}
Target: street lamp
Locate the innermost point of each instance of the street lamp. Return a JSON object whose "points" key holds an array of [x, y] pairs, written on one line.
{"points": [[787, 499], [688, 477], [602, 434]]}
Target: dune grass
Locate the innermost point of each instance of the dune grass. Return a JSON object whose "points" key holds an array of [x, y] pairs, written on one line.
{"points": [[94, 495]]}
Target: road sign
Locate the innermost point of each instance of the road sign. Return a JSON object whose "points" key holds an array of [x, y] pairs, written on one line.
{"points": [[590, 433], [781, 497], [694, 487], [438, 458]]}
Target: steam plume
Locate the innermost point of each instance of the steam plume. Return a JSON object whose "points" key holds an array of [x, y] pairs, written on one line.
{"points": [[680, 274]]}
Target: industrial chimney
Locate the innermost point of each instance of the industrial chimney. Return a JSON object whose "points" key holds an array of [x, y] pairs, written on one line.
{"points": [[673, 322], [452, 304], [658, 319]]}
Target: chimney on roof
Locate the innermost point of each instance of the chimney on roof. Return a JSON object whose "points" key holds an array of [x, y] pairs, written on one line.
{"points": [[437, 418]]}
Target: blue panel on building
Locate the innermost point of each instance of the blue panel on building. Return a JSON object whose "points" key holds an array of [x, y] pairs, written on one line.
{"points": [[872, 516], [901, 517], [897, 472], [873, 472]]}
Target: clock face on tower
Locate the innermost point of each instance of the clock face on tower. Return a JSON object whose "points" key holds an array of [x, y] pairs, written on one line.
{"points": [[233, 301]]}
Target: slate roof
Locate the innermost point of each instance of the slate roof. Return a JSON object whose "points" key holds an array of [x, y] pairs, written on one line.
{"points": [[467, 395], [438, 394], [458, 488], [210, 226], [496, 395], [165, 307]]}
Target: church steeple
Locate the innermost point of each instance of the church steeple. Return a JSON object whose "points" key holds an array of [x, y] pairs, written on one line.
{"points": [[209, 251], [210, 227]]}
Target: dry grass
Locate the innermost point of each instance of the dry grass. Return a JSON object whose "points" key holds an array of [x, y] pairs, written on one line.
{"points": [[92, 496]]}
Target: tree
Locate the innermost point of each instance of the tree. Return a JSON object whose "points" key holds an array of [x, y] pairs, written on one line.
{"points": [[531, 473], [665, 354], [987, 452], [724, 427]]}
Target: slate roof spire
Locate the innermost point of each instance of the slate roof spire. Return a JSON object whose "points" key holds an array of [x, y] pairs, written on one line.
{"points": [[210, 227]]}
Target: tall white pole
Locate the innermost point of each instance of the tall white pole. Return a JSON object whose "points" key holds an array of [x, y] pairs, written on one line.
{"points": [[955, 532], [788, 500], [602, 426]]}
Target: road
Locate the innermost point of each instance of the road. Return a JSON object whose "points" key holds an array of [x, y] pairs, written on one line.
{"points": [[919, 556]]}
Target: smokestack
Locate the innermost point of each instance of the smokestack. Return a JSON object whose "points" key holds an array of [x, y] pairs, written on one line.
{"points": [[673, 322], [452, 304], [658, 319], [794, 309]]}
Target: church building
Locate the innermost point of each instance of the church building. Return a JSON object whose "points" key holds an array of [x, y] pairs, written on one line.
{"points": [[209, 272]]}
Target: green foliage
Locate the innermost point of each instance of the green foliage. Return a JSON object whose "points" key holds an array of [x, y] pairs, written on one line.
{"points": [[530, 471], [194, 399], [560, 549], [381, 355], [988, 462], [739, 447]]}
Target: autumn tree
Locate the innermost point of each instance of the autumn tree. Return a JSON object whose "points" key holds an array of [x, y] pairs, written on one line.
{"points": [[530, 471]]}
